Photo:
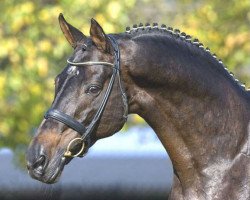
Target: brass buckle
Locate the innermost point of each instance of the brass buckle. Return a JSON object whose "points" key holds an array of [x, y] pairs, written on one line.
{"points": [[69, 154]]}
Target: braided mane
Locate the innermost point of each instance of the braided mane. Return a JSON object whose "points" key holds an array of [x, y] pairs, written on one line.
{"points": [[163, 29]]}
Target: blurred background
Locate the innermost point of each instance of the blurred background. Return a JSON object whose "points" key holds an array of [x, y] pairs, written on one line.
{"points": [[132, 164]]}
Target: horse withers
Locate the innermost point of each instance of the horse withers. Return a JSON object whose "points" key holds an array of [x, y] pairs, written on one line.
{"points": [[198, 110]]}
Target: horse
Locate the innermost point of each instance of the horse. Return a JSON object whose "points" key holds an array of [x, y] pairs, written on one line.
{"points": [[198, 110]]}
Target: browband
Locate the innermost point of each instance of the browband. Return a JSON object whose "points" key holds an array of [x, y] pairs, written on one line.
{"points": [[90, 63]]}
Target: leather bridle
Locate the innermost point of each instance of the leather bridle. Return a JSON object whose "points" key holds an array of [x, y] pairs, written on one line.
{"points": [[85, 132]]}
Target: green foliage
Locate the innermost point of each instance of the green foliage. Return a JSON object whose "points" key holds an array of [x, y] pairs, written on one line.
{"points": [[33, 49]]}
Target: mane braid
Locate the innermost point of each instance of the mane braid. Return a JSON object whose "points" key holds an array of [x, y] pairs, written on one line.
{"points": [[143, 29]]}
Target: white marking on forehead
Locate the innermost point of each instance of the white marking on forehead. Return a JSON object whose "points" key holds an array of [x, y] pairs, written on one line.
{"points": [[73, 70]]}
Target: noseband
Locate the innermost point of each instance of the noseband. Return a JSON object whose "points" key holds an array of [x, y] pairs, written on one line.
{"points": [[85, 132]]}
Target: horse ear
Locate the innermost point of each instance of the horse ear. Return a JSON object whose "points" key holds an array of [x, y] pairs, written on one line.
{"points": [[98, 36], [72, 34]]}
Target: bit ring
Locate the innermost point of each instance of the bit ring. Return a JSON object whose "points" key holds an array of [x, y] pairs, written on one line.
{"points": [[68, 153]]}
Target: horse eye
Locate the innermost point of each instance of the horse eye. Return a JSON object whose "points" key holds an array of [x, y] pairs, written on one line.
{"points": [[94, 89]]}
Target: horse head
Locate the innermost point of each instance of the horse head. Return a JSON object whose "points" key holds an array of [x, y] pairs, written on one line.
{"points": [[89, 103]]}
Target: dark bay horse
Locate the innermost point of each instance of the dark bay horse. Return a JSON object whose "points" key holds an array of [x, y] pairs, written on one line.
{"points": [[198, 110]]}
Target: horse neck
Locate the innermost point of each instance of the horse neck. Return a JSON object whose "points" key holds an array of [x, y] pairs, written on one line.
{"points": [[199, 113]]}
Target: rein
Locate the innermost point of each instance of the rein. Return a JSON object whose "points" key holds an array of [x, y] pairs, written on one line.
{"points": [[85, 132]]}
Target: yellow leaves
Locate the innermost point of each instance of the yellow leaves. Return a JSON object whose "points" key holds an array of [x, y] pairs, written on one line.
{"points": [[95, 3], [1, 31], [2, 84], [38, 108], [30, 57], [55, 10], [35, 89], [5, 129], [42, 66], [85, 29], [236, 39], [15, 83], [208, 11], [214, 36], [8, 46], [108, 27], [27, 7], [14, 58], [25, 11], [39, 64], [192, 24], [44, 15], [17, 24], [100, 18], [48, 15], [22, 126], [130, 3], [44, 45], [114, 9]]}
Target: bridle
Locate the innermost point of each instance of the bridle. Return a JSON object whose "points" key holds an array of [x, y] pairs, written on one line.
{"points": [[85, 132]]}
